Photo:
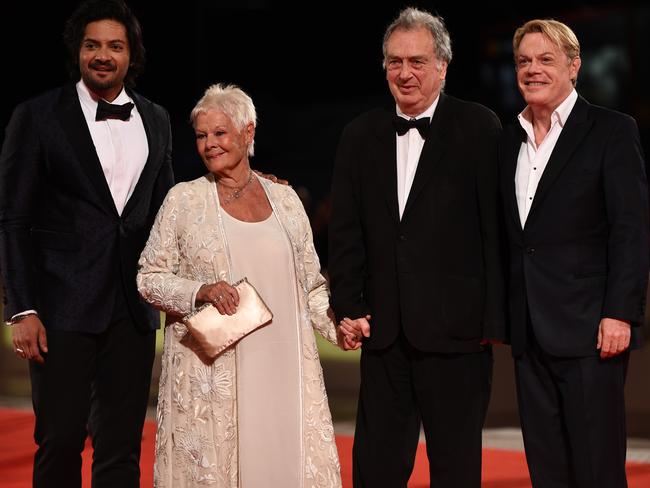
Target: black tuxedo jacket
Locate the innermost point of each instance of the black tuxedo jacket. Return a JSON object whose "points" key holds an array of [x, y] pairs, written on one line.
{"points": [[437, 272], [583, 252], [64, 249]]}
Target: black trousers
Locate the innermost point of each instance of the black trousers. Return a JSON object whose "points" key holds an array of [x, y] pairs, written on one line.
{"points": [[97, 384], [572, 413], [402, 388]]}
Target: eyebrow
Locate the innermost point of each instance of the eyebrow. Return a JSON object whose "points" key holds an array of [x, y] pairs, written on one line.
{"points": [[110, 41], [416, 57], [545, 53]]}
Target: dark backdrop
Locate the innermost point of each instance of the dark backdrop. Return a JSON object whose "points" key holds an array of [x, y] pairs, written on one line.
{"points": [[311, 68]]}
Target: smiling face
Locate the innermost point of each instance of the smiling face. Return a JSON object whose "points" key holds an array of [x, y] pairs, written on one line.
{"points": [[222, 147], [413, 71], [104, 57], [545, 74]]}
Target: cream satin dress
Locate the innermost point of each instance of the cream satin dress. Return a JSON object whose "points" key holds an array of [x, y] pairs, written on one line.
{"points": [[268, 360]]}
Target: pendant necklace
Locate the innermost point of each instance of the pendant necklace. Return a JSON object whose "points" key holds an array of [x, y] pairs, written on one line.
{"points": [[237, 192]]}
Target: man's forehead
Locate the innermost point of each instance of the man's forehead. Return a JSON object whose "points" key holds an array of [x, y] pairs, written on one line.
{"points": [[538, 42], [418, 39]]}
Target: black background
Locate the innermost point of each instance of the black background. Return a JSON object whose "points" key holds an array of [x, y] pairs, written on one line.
{"points": [[311, 67]]}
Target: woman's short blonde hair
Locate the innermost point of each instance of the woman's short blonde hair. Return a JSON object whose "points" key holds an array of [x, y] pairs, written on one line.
{"points": [[230, 100], [558, 33]]}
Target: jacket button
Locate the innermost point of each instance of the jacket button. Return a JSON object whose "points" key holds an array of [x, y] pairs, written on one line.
{"points": [[530, 250], [402, 238]]}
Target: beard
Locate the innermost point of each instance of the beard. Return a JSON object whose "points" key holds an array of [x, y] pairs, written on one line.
{"points": [[96, 83], [101, 85]]}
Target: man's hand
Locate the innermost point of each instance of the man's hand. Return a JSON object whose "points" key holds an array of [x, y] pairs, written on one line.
{"points": [[29, 338], [613, 337], [272, 178]]}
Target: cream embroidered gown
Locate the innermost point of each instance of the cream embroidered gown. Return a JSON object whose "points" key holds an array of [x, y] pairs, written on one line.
{"points": [[258, 415]]}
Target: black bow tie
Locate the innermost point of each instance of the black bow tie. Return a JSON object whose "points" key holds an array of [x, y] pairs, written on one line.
{"points": [[107, 110], [403, 125]]}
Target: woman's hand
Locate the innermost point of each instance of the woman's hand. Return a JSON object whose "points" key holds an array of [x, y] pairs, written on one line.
{"points": [[346, 342], [223, 296]]}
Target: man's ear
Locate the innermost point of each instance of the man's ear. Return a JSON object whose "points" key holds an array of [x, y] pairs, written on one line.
{"points": [[574, 67]]}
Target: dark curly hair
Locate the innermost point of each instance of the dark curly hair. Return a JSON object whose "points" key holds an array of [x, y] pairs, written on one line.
{"points": [[92, 11]]}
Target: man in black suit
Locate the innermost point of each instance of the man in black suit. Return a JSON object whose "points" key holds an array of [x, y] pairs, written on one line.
{"points": [[415, 264], [83, 171], [575, 195]]}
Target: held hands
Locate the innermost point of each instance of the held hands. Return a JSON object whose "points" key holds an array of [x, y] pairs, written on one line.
{"points": [[29, 338], [345, 342], [613, 337], [350, 332], [223, 296]]}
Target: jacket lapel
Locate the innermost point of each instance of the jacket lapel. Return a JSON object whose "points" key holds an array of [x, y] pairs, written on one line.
{"points": [[155, 158], [387, 160], [74, 125], [433, 150], [577, 126], [516, 135]]}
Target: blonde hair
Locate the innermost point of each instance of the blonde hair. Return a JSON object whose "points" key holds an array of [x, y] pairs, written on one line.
{"points": [[230, 100], [558, 33]]}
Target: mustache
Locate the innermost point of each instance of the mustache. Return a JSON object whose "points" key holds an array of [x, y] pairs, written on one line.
{"points": [[102, 64]]}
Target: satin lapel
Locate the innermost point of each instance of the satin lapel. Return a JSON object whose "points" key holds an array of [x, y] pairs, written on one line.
{"points": [[155, 158], [433, 150], [75, 127], [387, 160], [516, 135], [577, 126]]}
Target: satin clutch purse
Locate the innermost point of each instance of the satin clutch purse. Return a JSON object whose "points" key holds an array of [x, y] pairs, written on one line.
{"points": [[214, 332]]}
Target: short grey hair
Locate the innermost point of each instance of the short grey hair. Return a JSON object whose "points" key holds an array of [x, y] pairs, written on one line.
{"points": [[230, 100], [412, 18]]}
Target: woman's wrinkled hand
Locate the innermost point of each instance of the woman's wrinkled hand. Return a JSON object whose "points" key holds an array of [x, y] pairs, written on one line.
{"points": [[223, 296]]}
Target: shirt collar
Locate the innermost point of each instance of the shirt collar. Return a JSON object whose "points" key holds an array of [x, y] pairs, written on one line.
{"points": [[559, 115]]}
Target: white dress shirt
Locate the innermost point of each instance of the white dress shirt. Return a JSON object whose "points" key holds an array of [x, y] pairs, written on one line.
{"points": [[532, 159], [121, 145], [409, 148]]}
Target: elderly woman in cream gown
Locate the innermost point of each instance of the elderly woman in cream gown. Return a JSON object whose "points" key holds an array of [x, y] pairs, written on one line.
{"points": [[257, 416]]}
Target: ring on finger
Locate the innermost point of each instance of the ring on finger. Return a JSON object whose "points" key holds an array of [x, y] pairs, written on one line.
{"points": [[19, 350]]}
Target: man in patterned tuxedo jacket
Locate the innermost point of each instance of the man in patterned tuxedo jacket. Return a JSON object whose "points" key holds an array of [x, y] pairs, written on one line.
{"points": [[83, 171]]}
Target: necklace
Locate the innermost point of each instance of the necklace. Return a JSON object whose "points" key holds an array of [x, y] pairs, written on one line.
{"points": [[237, 192]]}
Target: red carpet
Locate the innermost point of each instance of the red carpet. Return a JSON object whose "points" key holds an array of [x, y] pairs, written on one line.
{"points": [[501, 469]]}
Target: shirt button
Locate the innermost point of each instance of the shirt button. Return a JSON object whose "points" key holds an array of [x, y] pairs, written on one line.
{"points": [[530, 250]]}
